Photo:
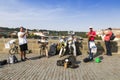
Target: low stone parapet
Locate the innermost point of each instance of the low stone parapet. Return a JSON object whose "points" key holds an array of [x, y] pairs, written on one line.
{"points": [[34, 46]]}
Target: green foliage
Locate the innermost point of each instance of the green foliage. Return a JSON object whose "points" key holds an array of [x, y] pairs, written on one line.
{"points": [[5, 31], [36, 37], [98, 38], [81, 34]]}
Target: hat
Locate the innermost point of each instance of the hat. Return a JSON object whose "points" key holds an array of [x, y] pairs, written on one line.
{"points": [[63, 37], [90, 27]]}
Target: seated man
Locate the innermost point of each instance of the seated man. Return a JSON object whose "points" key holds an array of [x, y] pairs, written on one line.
{"points": [[62, 46], [43, 45], [71, 45]]}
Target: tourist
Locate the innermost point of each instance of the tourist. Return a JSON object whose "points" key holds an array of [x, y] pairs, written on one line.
{"points": [[23, 43], [91, 38], [108, 34]]}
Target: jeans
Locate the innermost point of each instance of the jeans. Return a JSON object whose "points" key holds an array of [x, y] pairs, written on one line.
{"points": [[90, 53], [108, 48]]}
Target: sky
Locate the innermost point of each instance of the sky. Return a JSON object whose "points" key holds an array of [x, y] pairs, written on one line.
{"points": [[60, 15]]}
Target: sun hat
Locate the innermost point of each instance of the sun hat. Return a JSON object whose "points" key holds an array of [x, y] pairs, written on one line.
{"points": [[90, 27]]}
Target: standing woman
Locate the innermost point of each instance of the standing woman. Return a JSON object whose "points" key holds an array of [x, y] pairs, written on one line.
{"points": [[23, 43]]}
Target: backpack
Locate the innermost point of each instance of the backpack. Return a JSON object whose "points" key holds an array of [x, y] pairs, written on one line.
{"points": [[71, 62], [60, 62], [12, 59], [52, 50], [112, 36], [87, 59], [3, 62]]}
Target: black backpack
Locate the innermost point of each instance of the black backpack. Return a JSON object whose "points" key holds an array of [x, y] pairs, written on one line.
{"points": [[87, 59], [71, 62], [52, 50], [3, 62], [112, 36], [60, 62]]}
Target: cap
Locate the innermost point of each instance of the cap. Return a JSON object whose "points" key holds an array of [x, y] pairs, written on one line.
{"points": [[90, 27]]}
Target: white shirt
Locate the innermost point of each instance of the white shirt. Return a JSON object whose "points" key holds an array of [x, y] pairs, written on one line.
{"points": [[71, 40], [63, 41], [22, 40]]}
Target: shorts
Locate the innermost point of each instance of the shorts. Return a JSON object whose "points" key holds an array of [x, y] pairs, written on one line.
{"points": [[23, 47]]}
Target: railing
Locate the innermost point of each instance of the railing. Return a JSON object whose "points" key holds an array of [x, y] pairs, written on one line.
{"points": [[34, 46]]}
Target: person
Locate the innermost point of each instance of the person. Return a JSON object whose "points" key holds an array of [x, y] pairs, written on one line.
{"points": [[91, 38], [23, 43], [63, 46], [108, 34], [78, 44], [43, 45], [71, 44]]}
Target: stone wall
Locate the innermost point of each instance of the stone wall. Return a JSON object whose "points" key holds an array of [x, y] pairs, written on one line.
{"points": [[34, 46]]}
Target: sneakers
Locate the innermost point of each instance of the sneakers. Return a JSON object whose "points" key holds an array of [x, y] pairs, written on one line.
{"points": [[22, 59], [26, 58], [109, 55]]}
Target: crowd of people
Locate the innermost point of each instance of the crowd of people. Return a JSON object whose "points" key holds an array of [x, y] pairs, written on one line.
{"points": [[68, 45]]}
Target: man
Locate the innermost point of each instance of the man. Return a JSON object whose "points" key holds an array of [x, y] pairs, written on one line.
{"points": [[108, 34], [71, 44], [63, 44], [91, 37], [23, 43], [43, 45]]}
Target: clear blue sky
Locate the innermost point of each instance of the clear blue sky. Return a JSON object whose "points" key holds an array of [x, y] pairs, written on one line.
{"points": [[76, 15]]}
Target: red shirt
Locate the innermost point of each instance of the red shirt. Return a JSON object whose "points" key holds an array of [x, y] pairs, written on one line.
{"points": [[91, 35], [107, 36]]}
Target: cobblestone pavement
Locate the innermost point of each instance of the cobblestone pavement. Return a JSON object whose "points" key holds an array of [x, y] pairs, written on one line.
{"points": [[46, 69]]}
